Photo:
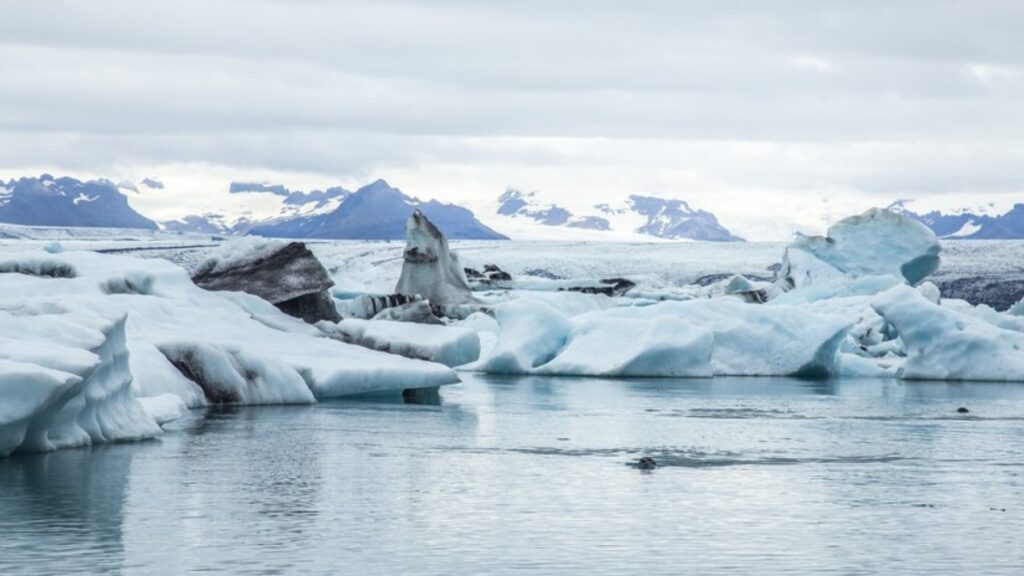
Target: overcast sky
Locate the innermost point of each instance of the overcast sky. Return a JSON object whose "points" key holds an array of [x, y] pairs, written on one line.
{"points": [[774, 115]]}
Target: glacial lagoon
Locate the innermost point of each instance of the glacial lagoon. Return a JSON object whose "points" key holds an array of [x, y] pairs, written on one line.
{"points": [[538, 475]]}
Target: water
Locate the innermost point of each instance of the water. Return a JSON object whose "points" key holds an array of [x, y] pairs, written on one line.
{"points": [[535, 475]]}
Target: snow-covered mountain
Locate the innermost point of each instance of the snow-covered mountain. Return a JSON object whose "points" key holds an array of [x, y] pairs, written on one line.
{"points": [[969, 224], [288, 205], [49, 201], [637, 215], [376, 212]]}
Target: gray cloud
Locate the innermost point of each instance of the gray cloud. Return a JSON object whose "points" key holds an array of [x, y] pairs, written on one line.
{"points": [[886, 98]]}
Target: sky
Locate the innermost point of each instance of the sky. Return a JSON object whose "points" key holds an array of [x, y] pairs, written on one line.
{"points": [[776, 116]]}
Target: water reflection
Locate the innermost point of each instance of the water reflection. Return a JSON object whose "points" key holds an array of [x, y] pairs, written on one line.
{"points": [[71, 502], [537, 469]]}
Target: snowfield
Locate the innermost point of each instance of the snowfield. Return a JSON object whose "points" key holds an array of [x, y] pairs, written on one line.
{"points": [[104, 336]]}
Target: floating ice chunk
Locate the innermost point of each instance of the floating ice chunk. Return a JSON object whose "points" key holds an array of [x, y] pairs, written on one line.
{"points": [[430, 270], [753, 340], [362, 371], [233, 345], [286, 275], [64, 381], [236, 376], [531, 334], [634, 347], [748, 340], [942, 344], [877, 242], [447, 345]]}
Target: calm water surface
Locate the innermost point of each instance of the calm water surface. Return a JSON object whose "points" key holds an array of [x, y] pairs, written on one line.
{"points": [[534, 475]]}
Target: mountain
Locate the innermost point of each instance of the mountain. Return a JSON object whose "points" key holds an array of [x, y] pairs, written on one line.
{"points": [[969, 225], [525, 204], [643, 215], [49, 201], [378, 212], [675, 219], [286, 205]]}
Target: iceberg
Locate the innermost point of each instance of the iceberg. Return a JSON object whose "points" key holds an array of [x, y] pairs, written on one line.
{"points": [[448, 345], [65, 382], [943, 344], [83, 335], [722, 337], [530, 334], [755, 340], [627, 347], [430, 269], [875, 243], [287, 275]]}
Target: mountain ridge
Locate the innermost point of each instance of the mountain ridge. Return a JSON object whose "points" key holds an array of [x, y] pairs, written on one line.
{"points": [[664, 218], [65, 201], [968, 225]]}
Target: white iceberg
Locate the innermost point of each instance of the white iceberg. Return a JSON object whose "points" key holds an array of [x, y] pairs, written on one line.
{"points": [[65, 382], [875, 243], [448, 345], [129, 327], [530, 334], [745, 339], [628, 347], [943, 344]]}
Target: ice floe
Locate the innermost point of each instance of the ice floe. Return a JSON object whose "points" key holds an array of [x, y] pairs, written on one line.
{"points": [[448, 345], [82, 335]]}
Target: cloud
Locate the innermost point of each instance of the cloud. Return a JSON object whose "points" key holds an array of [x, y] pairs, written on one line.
{"points": [[712, 100]]}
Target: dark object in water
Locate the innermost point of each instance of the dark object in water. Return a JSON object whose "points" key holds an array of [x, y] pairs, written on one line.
{"points": [[609, 287], [962, 410], [495, 274], [491, 276], [646, 463]]}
